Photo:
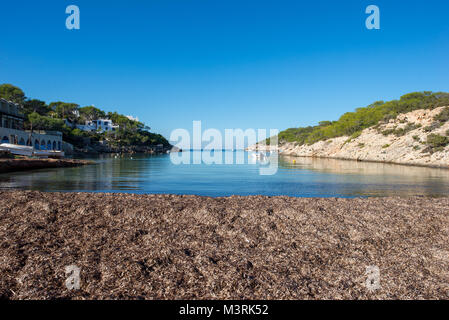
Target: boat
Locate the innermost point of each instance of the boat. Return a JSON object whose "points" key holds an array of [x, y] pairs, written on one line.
{"points": [[17, 149], [28, 151], [48, 154]]}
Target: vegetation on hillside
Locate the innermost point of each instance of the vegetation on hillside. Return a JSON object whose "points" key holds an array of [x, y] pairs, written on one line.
{"points": [[42, 116], [352, 123], [436, 142]]}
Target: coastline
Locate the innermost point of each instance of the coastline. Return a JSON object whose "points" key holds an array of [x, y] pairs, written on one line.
{"points": [[434, 166], [132, 246], [25, 164], [100, 149], [400, 141]]}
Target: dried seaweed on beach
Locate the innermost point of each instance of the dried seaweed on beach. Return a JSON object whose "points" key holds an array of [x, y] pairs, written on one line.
{"points": [[188, 247]]}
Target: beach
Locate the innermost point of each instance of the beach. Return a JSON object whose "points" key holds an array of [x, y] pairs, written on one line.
{"points": [[130, 246]]}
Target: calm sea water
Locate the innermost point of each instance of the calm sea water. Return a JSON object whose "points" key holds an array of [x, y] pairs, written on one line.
{"points": [[298, 177]]}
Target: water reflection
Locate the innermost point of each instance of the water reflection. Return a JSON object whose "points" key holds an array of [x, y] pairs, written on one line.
{"points": [[374, 178], [302, 177], [361, 168]]}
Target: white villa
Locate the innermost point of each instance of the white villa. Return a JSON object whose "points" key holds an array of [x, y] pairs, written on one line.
{"points": [[101, 125], [12, 132]]}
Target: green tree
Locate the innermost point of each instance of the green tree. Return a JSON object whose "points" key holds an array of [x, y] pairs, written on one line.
{"points": [[352, 123], [12, 93], [35, 105], [35, 120], [40, 116], [39, 122], [90, 113], [65, 110]]}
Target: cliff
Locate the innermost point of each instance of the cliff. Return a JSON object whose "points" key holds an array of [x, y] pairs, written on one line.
{"points": [[413, 138]]}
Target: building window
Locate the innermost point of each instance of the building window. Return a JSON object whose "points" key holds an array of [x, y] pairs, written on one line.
{"points": [[5, 139]]}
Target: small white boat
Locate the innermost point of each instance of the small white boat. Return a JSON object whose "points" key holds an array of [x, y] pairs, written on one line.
{"points": [[48, 153], [17, 149], [28, 151]]}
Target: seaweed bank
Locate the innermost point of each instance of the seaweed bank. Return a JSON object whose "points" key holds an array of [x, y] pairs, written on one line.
{"points": [[24, 164], [131, 246]]}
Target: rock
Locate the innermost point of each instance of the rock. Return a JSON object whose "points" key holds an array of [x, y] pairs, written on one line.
{"points": [[400, 149]]}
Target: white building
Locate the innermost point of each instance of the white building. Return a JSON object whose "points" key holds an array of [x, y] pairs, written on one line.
{"points": [[11, 130], [100, 125]]}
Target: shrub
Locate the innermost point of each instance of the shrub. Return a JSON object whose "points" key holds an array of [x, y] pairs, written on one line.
{"points": [[401, 131], [354, 122], [437, 142], [355, 135], [409, 127], [388, 131], [433, 126], [443, 116], [385, 146]]}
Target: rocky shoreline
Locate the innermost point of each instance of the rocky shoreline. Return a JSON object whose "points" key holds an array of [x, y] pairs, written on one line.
{"points": [[188, 247], [404, 140], [98, 149], [23, 164]]}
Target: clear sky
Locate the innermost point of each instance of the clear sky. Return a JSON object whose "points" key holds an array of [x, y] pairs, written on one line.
{"points": [[229, 63]]}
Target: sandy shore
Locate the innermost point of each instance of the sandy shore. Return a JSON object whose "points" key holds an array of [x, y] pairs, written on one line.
{"points": [[188, 247], [11, 165]]}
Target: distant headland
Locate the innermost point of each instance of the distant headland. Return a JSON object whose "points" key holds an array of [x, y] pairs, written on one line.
{"points": [[413, 130]]}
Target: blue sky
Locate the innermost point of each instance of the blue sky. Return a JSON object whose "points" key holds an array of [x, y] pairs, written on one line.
{"points": [[231, 64]]}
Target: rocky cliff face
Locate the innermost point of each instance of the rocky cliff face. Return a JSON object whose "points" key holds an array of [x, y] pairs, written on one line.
{"points": [[413, 138]]}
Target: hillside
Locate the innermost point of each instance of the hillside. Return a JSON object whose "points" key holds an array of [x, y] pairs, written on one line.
{"points": [[413, 130], [131, 135]]}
